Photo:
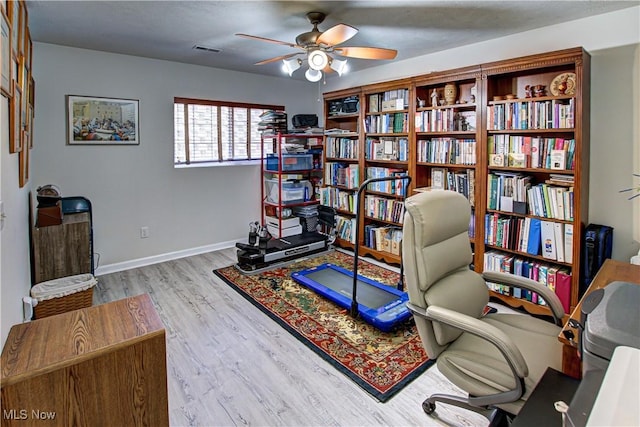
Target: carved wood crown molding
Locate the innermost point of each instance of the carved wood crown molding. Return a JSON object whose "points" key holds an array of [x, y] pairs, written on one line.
{"points": [[523, 64]]}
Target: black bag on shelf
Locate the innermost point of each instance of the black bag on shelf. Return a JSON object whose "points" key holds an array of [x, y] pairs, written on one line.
{"points": [[598, 243], [304, 120]]}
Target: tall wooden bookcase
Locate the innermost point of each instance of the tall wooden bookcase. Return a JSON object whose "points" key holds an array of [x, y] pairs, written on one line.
{"points": [[554, 118], [452, 144]]}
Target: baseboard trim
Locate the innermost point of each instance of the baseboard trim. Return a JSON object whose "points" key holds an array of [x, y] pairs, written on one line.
{"points": [[155, 259]]}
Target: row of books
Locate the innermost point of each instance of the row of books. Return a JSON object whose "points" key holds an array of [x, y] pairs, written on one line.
{"points": [[552, 240], [396, 187], [397, 99], [558, 279], [461, 181], [387, 123], [383, 239], [531, 152], [338, 199], [445, 120], [346, 228], [387, 149], [384, 209], [505, 189], [549, 201], [343, 148], [548, 114], [447, 151], [342, 174]]}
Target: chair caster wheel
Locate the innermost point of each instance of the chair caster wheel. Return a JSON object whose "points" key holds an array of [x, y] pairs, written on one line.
{"points": [[428, 407]]}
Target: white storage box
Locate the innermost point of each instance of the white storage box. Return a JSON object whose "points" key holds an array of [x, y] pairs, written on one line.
{"points": [[63, 294], [286, 222], [291, 231], [292, 192]]}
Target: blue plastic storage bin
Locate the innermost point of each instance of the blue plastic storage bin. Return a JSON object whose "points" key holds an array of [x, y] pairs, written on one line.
{"points": [[290, 162]]}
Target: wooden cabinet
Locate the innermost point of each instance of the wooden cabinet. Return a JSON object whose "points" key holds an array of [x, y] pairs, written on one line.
{"points": [[342, 160], [62, 250], [484, 131], [99, 366], [536, 138], [446, 137]]}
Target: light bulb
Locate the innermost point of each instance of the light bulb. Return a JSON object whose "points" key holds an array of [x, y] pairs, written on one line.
{"points": [[317, 60], [313, 75], [339, 65], [290, 65]]}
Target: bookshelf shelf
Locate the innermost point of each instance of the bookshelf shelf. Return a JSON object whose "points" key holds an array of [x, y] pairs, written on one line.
{"points": [[447, 133], [531, 131]]}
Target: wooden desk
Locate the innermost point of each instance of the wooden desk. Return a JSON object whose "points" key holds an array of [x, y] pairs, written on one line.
{"points": [[610, 271], [99, 366]]}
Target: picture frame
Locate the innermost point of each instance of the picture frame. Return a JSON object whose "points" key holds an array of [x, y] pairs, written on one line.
{"points": [[21, 26], [23, 160], [14, 7], [5, 56], [93, 120], [15, 121]]}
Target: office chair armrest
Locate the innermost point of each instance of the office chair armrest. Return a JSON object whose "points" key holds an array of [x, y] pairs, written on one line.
{"points": [[549, 296], [477, 327]]}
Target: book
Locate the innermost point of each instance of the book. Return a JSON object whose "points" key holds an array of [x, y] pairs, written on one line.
{"points": [[563, 288], [558, 159], [568, 243], [558, 229], [533, 247], [548, 240]]}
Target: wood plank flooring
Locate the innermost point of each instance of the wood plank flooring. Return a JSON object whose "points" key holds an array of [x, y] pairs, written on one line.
{"points": [[228, 364]]}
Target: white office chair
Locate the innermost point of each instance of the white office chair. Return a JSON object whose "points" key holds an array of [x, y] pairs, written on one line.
{"points": [[498, 358]]}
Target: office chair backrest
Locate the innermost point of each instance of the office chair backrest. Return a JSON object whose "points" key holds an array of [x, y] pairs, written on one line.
{"points": [[436, 257]]}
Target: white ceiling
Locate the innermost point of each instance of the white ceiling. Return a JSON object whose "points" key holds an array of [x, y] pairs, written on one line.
{"points": [[169, 29]]}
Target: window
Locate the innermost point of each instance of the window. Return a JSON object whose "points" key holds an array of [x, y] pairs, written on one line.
{"points": [[217, 131]]}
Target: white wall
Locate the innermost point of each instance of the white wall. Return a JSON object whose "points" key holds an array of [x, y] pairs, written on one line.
{"points": [[135, 186], [15, 280]]}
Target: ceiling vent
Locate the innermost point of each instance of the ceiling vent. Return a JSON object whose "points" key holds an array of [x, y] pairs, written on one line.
{"points": [[205, 48]]}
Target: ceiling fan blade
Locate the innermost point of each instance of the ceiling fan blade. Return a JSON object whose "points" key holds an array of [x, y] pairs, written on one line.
{"points": [[337, 34], [264, 39], [277, 58], [367, 52]]}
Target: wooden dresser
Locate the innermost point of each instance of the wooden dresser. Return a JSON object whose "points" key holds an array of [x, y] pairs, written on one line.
{"points": [[99, 366]]}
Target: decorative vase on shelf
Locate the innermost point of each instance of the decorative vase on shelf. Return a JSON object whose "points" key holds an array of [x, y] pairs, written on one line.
{"points": [[450, 93]]}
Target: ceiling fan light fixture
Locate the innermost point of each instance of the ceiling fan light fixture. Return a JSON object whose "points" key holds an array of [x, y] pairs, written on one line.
{"points": [[313, 75], [317, 60], [339, 66], [291, 65]]}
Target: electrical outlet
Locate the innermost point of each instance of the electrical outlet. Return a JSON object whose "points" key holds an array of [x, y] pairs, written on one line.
{"points": [[144, 232]]}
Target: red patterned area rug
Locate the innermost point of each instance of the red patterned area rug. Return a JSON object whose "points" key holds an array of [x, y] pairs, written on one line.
{"points": [[382, 363]]}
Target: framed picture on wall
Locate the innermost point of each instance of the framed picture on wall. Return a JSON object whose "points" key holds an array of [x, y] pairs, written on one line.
{"points": [[15, 121], [102, 121], [5, 56], [14, 7], [23, 159]]}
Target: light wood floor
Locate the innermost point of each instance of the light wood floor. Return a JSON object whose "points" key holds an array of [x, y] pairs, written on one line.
{"points": [[229, 364]]}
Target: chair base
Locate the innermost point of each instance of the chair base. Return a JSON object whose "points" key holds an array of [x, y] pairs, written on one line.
{"points": [[496, 416]]}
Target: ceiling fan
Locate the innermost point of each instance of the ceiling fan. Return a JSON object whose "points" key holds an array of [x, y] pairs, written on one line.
{"points": [[319, 45]]}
